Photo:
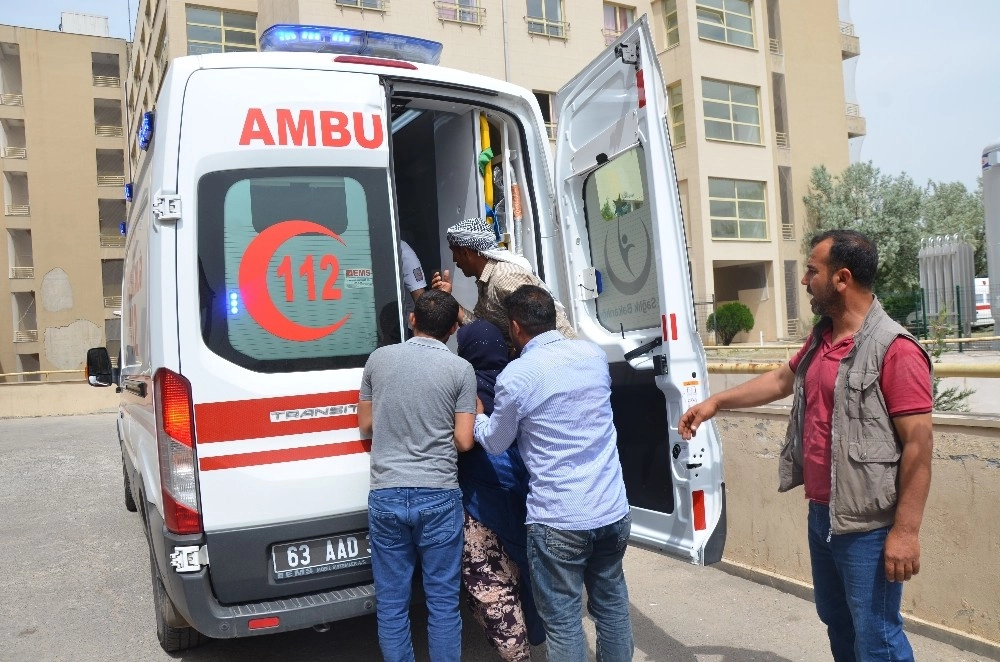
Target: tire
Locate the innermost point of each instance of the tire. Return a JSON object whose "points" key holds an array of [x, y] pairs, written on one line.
{"points": [[129, 499], [171, 639]]}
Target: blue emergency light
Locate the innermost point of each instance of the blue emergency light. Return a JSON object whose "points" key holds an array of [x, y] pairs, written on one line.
{"points": [[128, 192], [347, 41], [234, 303], [145, 133], [122, 227]]}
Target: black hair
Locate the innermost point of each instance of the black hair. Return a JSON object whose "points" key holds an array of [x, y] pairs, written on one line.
{"points": [[853, 251], [435, 312], [533, 308]]}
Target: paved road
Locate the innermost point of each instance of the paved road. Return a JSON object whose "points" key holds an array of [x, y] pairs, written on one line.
{"points": [[75, 584]]}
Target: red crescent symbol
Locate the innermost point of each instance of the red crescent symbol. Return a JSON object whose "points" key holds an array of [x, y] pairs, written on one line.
{"points": [[253, 282]]}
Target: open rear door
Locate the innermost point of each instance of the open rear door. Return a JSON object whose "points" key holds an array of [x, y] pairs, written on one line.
{"points": [[620, 217]]}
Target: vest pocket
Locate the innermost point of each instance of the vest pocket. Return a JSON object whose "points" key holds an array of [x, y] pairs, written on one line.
{"points": [[867, 486], [863, 398]]}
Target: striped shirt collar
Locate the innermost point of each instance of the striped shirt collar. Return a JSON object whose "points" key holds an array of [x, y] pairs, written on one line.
{"points": [[430, 343]]}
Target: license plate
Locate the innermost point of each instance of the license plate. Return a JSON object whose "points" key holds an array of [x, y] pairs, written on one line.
{"points": [[319, 555]]}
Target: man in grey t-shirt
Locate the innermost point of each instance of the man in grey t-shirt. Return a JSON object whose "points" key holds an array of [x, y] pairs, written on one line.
{"points": [[418, 404]]}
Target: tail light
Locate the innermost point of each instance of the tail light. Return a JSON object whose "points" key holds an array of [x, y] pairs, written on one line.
{"points": [[175, 441]]}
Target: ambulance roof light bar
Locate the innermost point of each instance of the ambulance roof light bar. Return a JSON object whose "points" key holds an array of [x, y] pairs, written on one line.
{"points": [[347, 41]]}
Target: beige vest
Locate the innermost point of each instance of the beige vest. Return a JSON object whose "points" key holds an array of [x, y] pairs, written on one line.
{"points": [[865, 449]]}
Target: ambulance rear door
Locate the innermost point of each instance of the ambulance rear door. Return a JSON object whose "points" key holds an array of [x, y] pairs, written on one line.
{"points": [[622, 230], [287, 262]]}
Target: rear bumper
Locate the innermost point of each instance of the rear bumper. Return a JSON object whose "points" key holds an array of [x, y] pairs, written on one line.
{"points": [[195, 601]]}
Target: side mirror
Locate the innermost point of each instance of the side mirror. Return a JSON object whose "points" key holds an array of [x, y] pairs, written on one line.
{"points": [[99, 367]]}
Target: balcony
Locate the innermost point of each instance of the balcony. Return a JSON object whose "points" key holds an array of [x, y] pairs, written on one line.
{"points": [[22, 272], [114, 303], [14, 153], [455, 12], [547, 28], [17, 210], [610, 36], [107, 81], [11, 99], [855, 122], [850, 45], [26, 335], [376, 5], [112, 241], [108, 131], [111, 180]]}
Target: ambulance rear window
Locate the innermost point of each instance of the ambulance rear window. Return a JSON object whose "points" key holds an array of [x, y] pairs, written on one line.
{"points": [[296, 267]]}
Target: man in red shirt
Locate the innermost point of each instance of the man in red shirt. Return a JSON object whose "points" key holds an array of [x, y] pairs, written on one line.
{"points": [[860, 440]]}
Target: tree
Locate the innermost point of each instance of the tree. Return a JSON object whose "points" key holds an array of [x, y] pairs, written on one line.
{"points": [[885, 208], [953, 398], [730, 319], [950, 208]]}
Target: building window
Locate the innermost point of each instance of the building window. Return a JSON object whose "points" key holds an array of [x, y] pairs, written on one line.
{"points": [[676, 102], [461, 11], [616, 19], [545, 17], [547, 102], [736, 207], [729, 21], [670, 21], [732, 111], [216, 31]]}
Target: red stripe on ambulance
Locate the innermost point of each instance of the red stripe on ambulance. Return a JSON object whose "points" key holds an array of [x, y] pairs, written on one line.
{"points": [[334, 128], [284, 455], [252, 419]]}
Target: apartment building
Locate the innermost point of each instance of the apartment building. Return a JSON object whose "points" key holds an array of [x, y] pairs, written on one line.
{"points": [[62, 158]]}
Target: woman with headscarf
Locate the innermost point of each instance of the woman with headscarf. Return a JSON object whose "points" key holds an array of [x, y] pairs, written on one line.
{"points": [[494, 489]]}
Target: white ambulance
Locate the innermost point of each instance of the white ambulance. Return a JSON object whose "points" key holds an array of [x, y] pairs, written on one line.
{"points": [[263, 266]]}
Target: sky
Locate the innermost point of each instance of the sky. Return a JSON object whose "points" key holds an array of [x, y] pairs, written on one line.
{"points": [[926, 87]]}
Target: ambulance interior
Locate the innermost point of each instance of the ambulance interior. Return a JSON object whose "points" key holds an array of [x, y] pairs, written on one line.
{"points": [[436, 148]]}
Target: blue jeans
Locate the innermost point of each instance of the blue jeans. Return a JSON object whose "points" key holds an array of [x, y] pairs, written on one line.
{"points": [[855, 601], [411, 526], [562, 563]]}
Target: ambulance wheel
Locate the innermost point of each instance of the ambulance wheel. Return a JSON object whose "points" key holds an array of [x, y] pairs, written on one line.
{"points": [[172, 639], [129, 500]]}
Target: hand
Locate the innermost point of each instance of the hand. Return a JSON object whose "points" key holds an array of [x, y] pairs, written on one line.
{"points": [[901, 554], [695, 416], [443, 283], [479, 406]]}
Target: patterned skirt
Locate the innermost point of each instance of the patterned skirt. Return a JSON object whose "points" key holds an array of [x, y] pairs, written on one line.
{"points": [[493, 580]]}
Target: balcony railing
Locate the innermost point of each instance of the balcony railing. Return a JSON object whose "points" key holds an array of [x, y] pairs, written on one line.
{"points": [[112, 241], [22, 272], [459, 13], [847, 29], [17, 210], [557, 29], [108, 130], [28, 335], [850, 45], [377, 5], [610, 36], [15, 152], [107, 81], [853, 110], [781, 138], [113, 302], [775, 46], [111, 180], [12, 99]]}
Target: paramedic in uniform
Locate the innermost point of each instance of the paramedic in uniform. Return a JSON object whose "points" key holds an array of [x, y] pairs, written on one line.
{"points": [[413, 278], [497, 271], [860, 440]]}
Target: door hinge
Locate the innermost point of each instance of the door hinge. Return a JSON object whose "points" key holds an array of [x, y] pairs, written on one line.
{"points": [[189, 559], [167, 207], [628, 52]]}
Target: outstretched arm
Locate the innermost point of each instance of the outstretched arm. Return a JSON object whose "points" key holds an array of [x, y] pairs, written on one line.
{"points": [[760, 390]]}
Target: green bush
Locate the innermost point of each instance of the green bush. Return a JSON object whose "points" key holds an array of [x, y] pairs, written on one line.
{"points": [[728, 320]]}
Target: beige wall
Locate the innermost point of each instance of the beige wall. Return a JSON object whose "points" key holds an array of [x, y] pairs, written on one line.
{"points": [[958, 586], [63, 193]]}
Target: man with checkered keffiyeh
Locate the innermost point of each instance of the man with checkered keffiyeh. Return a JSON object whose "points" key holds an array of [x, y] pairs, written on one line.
{"points": [[497, 271]]}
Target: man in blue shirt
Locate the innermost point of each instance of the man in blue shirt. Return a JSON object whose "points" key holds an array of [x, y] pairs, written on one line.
{"points": [[555, 401]]}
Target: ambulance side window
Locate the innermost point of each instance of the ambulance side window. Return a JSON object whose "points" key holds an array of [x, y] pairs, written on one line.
{"points": [[621, 243], [295, 265]]}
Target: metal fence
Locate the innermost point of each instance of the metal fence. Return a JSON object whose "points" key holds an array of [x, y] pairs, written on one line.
{"points": [[948, 313]]}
